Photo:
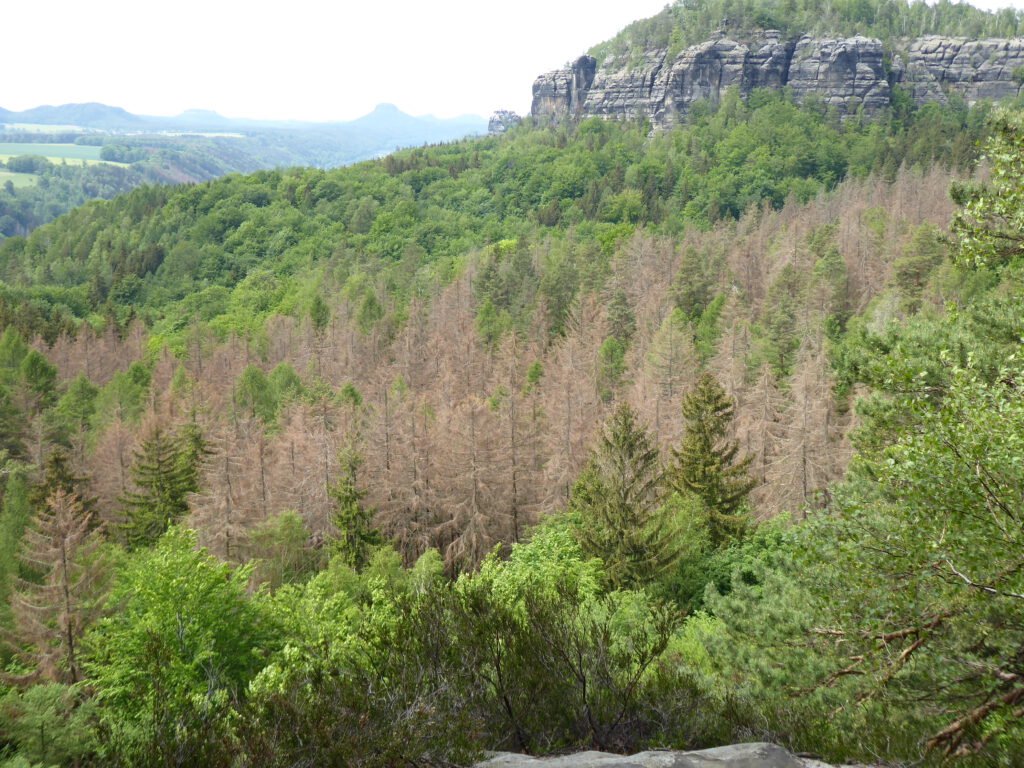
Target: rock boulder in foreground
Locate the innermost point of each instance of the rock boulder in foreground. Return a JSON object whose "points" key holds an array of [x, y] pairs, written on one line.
{"points": [[756, 755]]}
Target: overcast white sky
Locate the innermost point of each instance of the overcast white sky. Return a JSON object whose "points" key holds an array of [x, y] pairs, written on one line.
{"points": [[300, 59]]}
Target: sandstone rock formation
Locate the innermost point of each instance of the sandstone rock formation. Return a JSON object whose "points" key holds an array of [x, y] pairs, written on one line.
{"points": [[976, 69], [502, 121], [845, 73], [564, 91], [756, 755]]}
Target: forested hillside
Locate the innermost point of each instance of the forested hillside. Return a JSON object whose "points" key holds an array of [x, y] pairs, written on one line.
{"points": [[197, 146], [409, 221], [687, 22], [574, 437]]}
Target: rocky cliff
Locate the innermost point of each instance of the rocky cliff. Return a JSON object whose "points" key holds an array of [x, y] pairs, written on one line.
{"points": [[845, 73]]}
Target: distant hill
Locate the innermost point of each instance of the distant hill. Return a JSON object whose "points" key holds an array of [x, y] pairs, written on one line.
{"points": [[89, 115], [387, 128], [196, 145], [389, 120], [385, 125]]}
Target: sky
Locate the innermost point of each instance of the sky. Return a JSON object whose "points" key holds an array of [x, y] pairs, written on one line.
{"points": [[302, 59], [299, 59]]}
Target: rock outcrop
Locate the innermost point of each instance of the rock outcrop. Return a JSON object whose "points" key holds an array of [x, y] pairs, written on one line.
{"points": [[502, 121], [848, 74], [757, 755], [845, 74], [564, 91], [934, 67]]}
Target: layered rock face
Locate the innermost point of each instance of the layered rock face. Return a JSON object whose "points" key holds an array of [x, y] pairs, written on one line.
{"points": [[756, 755], [933, 67], [847, 74], [564, 91]]}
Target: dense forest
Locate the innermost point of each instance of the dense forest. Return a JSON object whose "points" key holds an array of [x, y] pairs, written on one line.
{"points": [[409, 222], [47, 188], [688, 22], [574, 437], [53, 189], [137, 151]]}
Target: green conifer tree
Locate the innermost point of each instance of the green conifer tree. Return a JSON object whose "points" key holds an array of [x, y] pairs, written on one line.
{"points": [[618, 499], [319, 315], [14, 517], [75, 409], [37, 382], [356, 537], [611, 365], [705, 463], [13, 425], [165, 471], [12, 351], [621, 319]]}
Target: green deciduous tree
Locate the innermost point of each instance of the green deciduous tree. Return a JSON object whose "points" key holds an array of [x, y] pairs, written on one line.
{"points": [[989, 227], [255, 396], [370, 312], [287, 384], [178, 652], [489, 324], [12, 351], [282, 551], [122, 398]]}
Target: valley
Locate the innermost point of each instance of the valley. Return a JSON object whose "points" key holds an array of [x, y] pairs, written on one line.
{"points": [[684, 412], [195, 146]]}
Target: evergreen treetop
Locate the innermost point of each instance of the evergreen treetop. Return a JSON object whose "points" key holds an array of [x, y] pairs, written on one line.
{"points": [[165, 471], [705, 463], [618, 499]]}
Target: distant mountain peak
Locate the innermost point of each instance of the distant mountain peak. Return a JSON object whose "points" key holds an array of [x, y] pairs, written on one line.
{"points": [[201, 113], [91, 113]]}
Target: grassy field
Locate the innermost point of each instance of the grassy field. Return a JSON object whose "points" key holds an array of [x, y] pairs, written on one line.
{"points": [[57, 160], [72, 154], [51, 151], [18, 179]]}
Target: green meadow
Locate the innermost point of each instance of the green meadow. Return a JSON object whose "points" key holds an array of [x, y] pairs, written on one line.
{"points": [[18, 179], [72, 154]]}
